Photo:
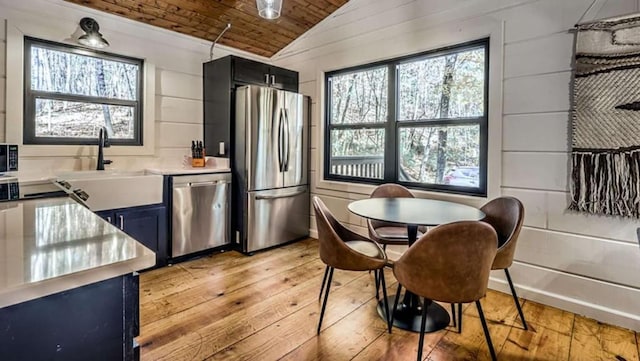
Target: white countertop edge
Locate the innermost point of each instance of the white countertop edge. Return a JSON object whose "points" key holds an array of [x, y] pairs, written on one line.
{"points": [[32, 291], [175, 171]]}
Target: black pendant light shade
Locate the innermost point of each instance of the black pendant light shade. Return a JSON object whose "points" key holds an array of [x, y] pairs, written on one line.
{"points": [[92, 36]]}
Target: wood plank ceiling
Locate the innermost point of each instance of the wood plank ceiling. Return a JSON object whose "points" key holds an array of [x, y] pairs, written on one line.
{"points": [[205, 19]]}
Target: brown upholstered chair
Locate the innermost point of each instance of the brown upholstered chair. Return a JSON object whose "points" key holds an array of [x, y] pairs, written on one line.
{"points": [[344, 249], [450, 264], [386, 232], [505, 215]]}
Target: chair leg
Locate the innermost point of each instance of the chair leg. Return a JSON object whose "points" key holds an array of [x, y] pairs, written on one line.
{"points": [[422, 326], [376, 275], [459, 317], [384, 248], [384, 299], [324, 280], [453, 314], [486, 331], [326, 296], [515, 299], [395, 304]]}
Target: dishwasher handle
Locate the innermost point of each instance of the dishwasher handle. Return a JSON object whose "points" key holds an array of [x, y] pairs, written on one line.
{"points": [[201, 184]]}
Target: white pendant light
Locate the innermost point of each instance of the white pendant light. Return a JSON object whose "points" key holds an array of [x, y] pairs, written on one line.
{"points": [[269, 9]]}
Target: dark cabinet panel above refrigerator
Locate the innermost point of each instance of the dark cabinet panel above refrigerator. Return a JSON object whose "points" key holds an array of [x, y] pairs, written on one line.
{"points": [[251, 72], [284, 79]]}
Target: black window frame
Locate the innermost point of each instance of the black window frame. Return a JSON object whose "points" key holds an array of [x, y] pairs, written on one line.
{"points": [[392, 125], [30, 96]]}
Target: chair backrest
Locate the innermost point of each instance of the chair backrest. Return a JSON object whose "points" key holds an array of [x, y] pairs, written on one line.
{"points": [[333, 251], [388, 190], [505, 215], [451, 263]]}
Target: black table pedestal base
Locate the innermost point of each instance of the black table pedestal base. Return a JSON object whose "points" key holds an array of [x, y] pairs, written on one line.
{"points": [[409, 318]]}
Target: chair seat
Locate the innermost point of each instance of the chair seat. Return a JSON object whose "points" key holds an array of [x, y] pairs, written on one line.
{"points": [[367, 248], [392, 235]]}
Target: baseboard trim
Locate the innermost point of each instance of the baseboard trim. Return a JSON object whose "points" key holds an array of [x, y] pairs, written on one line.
{"points": [[581, 307]]}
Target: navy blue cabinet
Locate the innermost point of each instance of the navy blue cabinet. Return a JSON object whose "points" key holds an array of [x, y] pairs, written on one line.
{"points": [[147, 224], [94, 322]]}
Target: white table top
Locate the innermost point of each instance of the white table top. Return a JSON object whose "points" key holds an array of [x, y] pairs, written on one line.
{"points": [[55, 244]]}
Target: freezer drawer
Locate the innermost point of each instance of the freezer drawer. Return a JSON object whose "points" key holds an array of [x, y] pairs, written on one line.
{"points": [[276, 216], [200, 213]]}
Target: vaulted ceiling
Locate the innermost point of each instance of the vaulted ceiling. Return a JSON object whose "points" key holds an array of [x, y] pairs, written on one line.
{"points": [[205, 19]]}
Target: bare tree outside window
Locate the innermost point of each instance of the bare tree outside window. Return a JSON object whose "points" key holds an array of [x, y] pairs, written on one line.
{"points": [[70, 93], [358, 115], [447, 87], [437, 128]]}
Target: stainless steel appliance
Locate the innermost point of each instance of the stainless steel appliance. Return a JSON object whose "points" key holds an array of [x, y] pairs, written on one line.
{"points": [[270, 167], [8, 158], [200, 212]]}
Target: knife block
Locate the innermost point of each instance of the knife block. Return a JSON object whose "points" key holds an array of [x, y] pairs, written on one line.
{"points": [[197, 162]]}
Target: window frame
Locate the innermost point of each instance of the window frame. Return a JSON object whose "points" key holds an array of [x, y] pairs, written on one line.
{"points": [[30, 96], [392, 125]]}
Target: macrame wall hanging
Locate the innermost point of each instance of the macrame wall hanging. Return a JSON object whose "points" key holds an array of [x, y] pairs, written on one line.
{"points": [[605, 177]]}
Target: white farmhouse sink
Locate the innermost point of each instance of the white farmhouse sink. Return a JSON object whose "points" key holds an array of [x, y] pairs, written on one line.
{"points": [[116, 189]]}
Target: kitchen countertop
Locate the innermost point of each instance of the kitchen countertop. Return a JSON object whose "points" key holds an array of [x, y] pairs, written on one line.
{"points": [[55, 244], [185, 170], [212, 165]]}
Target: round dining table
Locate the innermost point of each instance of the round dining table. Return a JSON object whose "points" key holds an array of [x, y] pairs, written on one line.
{"points": [[414, 212]]}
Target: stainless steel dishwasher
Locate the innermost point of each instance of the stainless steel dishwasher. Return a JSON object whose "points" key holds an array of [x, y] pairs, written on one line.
{"points": [[200, 212]]}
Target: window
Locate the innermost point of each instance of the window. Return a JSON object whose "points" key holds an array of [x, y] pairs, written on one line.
{"points": [[71, 92], [420, 121]]}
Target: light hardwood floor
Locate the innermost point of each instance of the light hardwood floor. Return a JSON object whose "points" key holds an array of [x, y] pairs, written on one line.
{"points": [[232, 307]]}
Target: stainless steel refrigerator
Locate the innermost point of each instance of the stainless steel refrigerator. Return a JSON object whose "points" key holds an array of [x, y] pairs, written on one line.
{"points": [[270, 164]]}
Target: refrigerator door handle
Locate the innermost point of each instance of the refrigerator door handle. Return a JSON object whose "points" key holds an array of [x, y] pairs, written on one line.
{"points": [[281, 195], [287, 147], [280, 135]]}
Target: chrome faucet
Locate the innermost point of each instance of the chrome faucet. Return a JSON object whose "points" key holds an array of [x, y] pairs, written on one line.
{"points": [[103, 142]]}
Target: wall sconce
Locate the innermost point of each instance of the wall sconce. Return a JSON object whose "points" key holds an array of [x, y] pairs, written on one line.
{"points": [[92, 36], [269, 9]]}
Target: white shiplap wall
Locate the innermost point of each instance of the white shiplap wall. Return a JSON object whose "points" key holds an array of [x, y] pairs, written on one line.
{"points": [[177, 95], [586, 264]]}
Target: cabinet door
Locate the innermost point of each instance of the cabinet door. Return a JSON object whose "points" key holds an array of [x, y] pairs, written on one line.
{"points": [[108, 216], [283, 79], [250, 72], [148, 226], [83, 323]]}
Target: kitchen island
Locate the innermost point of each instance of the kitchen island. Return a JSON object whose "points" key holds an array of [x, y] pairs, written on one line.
{"points": [[68, 287]]}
